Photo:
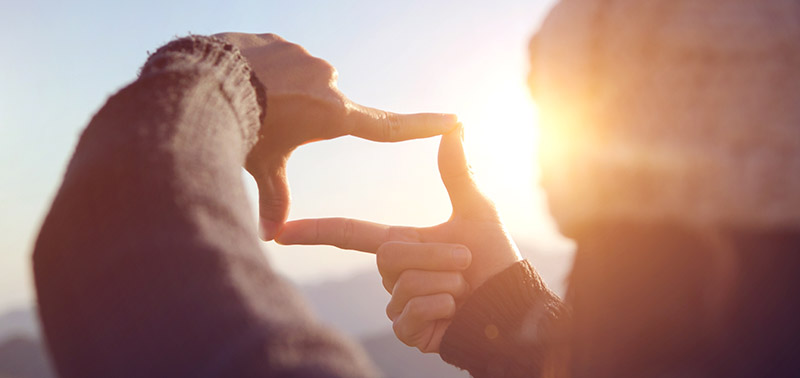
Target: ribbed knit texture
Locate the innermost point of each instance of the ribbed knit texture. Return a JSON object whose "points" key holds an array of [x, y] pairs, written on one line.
{"points": [[507, 328], [148, 263], [677, 111], [227, 65]]}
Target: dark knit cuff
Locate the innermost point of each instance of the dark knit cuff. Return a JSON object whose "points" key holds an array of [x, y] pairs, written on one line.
{"points": [[505, 326], [244, 92]]}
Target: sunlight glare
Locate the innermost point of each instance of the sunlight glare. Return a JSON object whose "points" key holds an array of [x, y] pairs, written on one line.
{"points": [[501, 134]]}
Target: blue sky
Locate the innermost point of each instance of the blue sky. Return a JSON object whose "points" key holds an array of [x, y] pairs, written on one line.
{"points": [[60, 61]]}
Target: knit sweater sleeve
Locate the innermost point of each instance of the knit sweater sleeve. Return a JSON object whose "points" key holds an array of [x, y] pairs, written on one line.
{"points": [[148, 262], [511, 326]]}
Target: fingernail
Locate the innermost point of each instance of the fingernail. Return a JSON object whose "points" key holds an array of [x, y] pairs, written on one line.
{"points": [[267, 229], [461, 257]]}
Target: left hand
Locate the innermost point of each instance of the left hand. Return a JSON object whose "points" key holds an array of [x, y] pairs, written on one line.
{"points": [[305, 105]]}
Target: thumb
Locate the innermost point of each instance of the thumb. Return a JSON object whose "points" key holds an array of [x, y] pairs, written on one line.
{"points": [[273, 201], [465, 196]]}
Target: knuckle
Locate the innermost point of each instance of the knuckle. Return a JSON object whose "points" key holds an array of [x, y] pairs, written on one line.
{"points": [[391, 127], [388, 258], [404, 277], [384, 261], [320, 65], [324, 72], [449, 304], [397, 327], [326, 68], [271, 36], [400, 330], [391, 312], [409, 282], [454, 282], [399, 291], [293, 47], [406, 234], [339, 106], [380, 258], [428, 346], [398, 286], [383, 256], [388, 285], [347, 232], [462, 177], [415, 308]]}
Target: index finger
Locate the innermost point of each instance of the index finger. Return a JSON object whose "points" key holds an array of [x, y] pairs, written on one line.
{"points": [[344, 233], [382, 126]]}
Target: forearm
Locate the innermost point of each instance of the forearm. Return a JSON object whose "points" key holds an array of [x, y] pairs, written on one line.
{"points": [[148, 263], [511, 326]]}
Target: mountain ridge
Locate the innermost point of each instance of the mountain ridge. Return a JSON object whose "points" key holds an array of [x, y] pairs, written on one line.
{"points": [[22, 354]]}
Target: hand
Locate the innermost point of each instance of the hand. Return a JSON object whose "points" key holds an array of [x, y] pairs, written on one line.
{"points": [[305, 105], [427, 284], [474, 224]]}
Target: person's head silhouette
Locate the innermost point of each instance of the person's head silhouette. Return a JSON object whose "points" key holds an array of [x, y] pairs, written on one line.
{"points": [[671, 152]]}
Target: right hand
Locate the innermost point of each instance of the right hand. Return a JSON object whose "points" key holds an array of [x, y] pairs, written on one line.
{"points": [[474, 224], [427, 284], [304, 105]]}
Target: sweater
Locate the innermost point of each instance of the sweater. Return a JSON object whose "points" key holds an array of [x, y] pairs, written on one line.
{"points": [[644, 300], [148, 263]]}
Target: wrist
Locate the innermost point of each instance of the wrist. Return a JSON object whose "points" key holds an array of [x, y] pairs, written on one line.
{"points": [[492, 253], [222, 61], [502, 262], [512, 312]]}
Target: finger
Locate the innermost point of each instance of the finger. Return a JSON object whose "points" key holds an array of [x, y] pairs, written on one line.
{"points": [[420, 283], [382, 126], [416, 324], [395, 257], [456, 174], [273, 202], [344, 233], [437, 333], [247, 40]]}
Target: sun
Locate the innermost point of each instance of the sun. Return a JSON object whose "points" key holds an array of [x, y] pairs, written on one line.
{"points": [[501, 135], [504, 129]]}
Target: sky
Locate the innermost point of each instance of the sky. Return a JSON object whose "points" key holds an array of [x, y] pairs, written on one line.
{"points": [[61, 60]]}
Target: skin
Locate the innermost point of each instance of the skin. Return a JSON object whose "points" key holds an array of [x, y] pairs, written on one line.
{"points": [[305, 105], [429, 271]]}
